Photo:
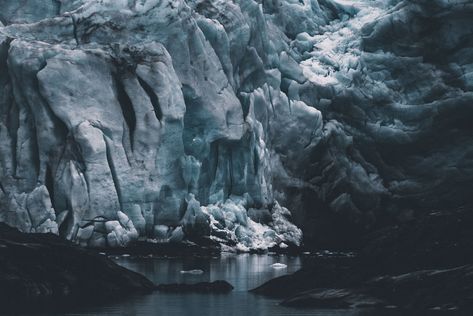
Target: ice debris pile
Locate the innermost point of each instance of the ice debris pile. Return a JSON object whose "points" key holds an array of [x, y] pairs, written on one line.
{"points": [[175, 119]]}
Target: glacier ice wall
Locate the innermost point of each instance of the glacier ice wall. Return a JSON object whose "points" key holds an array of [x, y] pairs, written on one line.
{"points": [[173, 119]]}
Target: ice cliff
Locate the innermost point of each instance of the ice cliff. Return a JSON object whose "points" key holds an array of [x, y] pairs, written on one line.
{"points": [[177, 119]]}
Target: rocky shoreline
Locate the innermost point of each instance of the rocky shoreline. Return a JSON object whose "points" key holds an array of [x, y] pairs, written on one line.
{"points": [[423, 264], [44, 270]]}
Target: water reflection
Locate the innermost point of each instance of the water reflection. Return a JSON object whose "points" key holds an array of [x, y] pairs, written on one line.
{"points": [[244, 272]]}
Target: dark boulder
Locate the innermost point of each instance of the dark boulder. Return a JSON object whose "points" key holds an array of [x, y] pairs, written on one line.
{"points": [[448, 289], [333, 298], [44, 268]]}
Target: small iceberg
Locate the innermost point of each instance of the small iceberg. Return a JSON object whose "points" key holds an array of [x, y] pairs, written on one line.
{"points": [[279, 265], [196, 271]]}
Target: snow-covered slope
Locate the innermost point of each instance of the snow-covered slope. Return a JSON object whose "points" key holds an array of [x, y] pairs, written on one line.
{"points": [[173, 119]]}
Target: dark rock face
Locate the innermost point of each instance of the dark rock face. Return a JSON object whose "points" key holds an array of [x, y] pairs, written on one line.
{"points": [[44, 269], [436, 240], [202, 287]]}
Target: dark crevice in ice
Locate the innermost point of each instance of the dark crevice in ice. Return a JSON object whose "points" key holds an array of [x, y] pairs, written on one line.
{"points": [[74, 25], [13, 121], [127, 107], [255, 161], [49, 183], [113, 171], [58, 7], [152, 97]]}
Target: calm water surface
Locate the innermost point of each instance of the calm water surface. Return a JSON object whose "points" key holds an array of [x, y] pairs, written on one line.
{"points": [[243, 271]]}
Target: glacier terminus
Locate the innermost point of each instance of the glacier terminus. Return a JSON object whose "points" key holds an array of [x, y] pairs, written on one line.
{"points": [[247, 122]]}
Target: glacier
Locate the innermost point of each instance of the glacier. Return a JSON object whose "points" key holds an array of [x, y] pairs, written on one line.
{"points": [[247, 121]]}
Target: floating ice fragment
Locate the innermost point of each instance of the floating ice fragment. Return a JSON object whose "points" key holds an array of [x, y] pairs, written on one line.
{"points": [[195, 271], [279, 265]]}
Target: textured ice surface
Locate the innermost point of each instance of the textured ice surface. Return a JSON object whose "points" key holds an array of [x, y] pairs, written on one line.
{"points": [[175, 119]]}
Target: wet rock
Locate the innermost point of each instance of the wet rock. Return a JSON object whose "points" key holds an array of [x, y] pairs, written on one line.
{"points": [[447, 289], [333, 298], [321, 273], [38, 269]]}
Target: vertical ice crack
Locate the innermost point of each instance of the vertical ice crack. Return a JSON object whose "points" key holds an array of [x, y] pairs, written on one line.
{"points": [[113, 171], [59, 4], [74, 25], [152, 97], [126, 106]]}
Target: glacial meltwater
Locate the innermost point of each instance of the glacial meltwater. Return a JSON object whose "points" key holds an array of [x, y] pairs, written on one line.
{"points": [[243, 271]]}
